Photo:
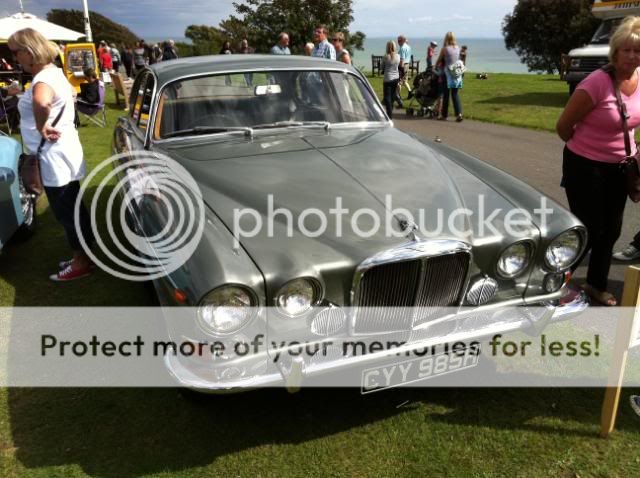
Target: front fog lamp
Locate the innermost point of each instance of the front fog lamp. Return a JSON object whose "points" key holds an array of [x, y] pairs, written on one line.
{"points": [[226, 310], [563, 251], [296, 297], [575, 63], [514, 260], [553, 282]]}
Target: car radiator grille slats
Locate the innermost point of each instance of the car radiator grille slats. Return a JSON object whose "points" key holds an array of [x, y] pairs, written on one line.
{"points": [[591, 64], [398, 296]]}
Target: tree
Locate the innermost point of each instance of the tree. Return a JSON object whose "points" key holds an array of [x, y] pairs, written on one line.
{"points": [[101, 27], [261, 21], [540, 31], [205, 40]]}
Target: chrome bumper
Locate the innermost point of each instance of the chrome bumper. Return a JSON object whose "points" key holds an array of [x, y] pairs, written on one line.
{"points": [[532, 318]]}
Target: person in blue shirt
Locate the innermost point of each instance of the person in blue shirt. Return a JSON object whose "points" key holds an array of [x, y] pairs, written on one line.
{"points": [[404, 51], [282, 47], [323, 48]]}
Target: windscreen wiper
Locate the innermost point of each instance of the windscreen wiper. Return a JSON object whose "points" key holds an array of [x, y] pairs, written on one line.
{"points": [[299, 124], [210, 130]]}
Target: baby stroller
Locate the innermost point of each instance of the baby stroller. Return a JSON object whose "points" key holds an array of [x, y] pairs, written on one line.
{"points": [[426, 91]]}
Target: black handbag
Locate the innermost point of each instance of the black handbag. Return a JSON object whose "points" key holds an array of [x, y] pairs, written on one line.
{"points": [[631, 164], [29, 166]]}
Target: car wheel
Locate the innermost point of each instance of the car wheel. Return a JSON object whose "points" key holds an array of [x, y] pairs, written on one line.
{"points": [[572, 88], [420, 112], [132, 224], [28, 204]]}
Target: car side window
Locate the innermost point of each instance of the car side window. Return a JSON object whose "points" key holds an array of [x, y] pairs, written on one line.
{"points": [[137, 92], [147, 97]]}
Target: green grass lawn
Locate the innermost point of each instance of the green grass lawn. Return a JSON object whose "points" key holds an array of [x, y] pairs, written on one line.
{"points": [[422, 432], [529, 101]]}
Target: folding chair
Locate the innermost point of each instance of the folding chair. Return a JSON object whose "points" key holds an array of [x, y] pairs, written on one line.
{"points": [[8, 114], [94, 112]]}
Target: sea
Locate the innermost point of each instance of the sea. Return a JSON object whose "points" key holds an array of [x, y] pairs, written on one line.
{"points": [[484, 55]]}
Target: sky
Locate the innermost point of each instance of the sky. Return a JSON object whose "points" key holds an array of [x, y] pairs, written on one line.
{"points": [[376, 18]]}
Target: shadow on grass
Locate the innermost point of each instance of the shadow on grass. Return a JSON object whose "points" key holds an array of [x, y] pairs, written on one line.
{"points": [[26, 266], [530, 99], [131, 432]]}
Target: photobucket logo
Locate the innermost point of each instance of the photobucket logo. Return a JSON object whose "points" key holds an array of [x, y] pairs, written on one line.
{"points": [[153, 186], [398, 222]]}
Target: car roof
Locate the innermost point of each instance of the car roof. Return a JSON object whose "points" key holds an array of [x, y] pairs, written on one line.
{"points": [[167, 71]]}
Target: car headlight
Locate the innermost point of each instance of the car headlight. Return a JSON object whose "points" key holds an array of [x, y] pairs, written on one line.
{"points": [[296, 297], [563, 251], [514, 259], [575, 63], [226, 310]]}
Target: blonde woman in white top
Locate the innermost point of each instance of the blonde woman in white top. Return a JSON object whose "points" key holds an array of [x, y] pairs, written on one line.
{"points": [[61, 159], [391, 62]]}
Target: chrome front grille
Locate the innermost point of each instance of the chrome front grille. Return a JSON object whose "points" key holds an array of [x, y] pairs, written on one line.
{"points": [[589, 64], [398, 296]]}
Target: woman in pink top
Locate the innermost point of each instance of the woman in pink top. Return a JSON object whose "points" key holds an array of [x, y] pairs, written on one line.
{"points": [[592, 129]]}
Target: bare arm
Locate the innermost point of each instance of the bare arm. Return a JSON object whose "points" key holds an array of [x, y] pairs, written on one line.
{"points": [[579, 106]]}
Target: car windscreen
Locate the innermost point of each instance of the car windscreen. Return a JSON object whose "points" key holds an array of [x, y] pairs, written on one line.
{"points": [[220, 103], [605, 30], [79, 59]]}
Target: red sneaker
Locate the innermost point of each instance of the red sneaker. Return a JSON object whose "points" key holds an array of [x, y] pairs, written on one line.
{"points": [[67, 263], [69, 273]]}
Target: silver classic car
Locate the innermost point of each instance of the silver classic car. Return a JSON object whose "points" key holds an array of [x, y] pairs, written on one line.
{"points": [[321, 223]]}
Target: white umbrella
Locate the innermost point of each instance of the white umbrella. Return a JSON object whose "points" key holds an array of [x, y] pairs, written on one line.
{"points": [[51, 31]]}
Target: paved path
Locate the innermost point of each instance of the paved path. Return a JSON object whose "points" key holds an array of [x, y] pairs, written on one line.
{"points": [[533, 156]]}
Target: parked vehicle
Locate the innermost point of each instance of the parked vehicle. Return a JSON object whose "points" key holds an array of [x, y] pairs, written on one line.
{"points": [[584, 60], [17, 208], [306, 131], [78, 57]]}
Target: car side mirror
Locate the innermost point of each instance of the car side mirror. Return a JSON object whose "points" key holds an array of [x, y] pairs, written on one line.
{"points": [[7, 175]]}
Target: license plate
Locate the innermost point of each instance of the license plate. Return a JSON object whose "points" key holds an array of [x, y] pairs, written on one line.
{"points": [[418, 369]]}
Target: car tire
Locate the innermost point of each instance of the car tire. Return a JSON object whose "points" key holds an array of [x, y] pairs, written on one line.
{"points": [[572, 88], [409, 111], [131, 222]]}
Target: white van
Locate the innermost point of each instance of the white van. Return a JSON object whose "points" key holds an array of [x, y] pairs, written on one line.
{"points": [[583, 61]]}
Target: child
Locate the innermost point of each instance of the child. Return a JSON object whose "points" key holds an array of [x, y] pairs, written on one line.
{"points": [[430, 52]]}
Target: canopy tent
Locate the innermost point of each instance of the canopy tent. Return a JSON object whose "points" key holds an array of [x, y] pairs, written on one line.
{"points": [[51, 31]]}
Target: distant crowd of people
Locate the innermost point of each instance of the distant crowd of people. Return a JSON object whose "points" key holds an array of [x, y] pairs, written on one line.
{"points": [[134, 57], [449, 67], [321, 47]]}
